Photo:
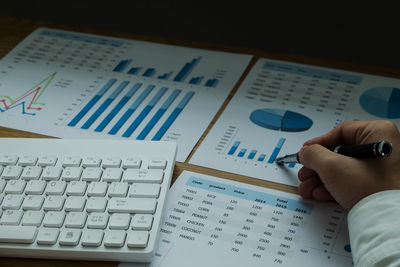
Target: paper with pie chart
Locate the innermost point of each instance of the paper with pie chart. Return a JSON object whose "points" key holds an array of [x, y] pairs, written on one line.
{"points": [[280, 105]]}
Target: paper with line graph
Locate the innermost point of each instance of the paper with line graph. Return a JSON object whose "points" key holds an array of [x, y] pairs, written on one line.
{"points": [[73, 85]]}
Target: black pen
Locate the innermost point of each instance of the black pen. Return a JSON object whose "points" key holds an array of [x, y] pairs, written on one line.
{"points": [[373, 150]]}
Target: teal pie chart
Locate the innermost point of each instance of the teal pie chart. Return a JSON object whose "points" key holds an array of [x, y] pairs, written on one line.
{"points": [[383, 102], [280, 120]]}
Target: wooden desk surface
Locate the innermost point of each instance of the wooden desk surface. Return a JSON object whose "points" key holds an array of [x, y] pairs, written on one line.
{"points": [[13, 31]]}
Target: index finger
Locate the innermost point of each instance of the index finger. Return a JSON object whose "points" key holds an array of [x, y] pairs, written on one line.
{"points": [[346, 133]]}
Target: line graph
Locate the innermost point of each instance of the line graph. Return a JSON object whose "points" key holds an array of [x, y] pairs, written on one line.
{"points": [[29, 100]]}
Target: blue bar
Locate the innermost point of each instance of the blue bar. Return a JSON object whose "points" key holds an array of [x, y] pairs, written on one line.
{"points": [[211, 83], [276, 150], [165, 76], [92, 102], [122, 65], [131, 109], [242, 152], [170, 120], [135, 70], [252, 154], [261, 157], [104, 106], [291, 165], [196, 80], [149, 72], [117, 108], [233, 148], [185, 71], [259, 198], [158, 115], [144, 112]]}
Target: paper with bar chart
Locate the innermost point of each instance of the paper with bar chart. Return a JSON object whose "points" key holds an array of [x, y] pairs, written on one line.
{"points": [[280, 105], [74, 85]]}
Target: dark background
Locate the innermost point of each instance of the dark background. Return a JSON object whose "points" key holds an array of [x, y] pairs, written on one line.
{"points": [[363, 32]]}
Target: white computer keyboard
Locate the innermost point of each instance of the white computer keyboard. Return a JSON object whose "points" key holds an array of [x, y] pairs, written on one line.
{"points": [[83, 199]]}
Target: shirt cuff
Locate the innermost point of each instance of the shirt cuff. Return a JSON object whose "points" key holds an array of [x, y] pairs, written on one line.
{"points": [[374, 229]]}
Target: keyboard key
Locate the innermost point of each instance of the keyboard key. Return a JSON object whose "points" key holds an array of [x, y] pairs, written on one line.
{"points": [[91, 162], [92, 174], [47, 161], [92, 238], [54, 219], [72, 162], [15, 187], [35, 187], [12, 172], [32, 202], [75, 220], [111, 162], [18, 234], [112, 175], [144, 190], [27, 161], [75, 203], [118, 189], [54, 203], [138, 239], [11, 217], [55, 188], [51, 173], [31, 173], [114, 238], [96, 204], [12, 202], [69, 237], [120, 221], [132, 205], [97, 189], [143, 176], [71, 174], [142, 222], [32, 218], [157, 164], [76, 188], [131, 163], [8, 159], [47, 236], [97, 220]]}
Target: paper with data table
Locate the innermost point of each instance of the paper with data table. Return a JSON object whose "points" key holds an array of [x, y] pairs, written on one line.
{"points": [[74, 85], [211, 221], [280, 105]]}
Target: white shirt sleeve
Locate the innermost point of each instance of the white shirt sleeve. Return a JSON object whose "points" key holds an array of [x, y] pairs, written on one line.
{"points": [[374, 228]]}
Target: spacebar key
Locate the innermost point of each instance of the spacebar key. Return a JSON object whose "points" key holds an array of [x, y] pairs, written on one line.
{"points": [[132, 205], [17, 234]]}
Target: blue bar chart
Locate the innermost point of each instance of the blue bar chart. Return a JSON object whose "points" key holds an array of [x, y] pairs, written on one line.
{"points": [[181, 75], [125, 109], [242, 152]]}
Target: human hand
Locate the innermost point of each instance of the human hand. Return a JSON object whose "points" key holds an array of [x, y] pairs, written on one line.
{"points": [[330, 176]]}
